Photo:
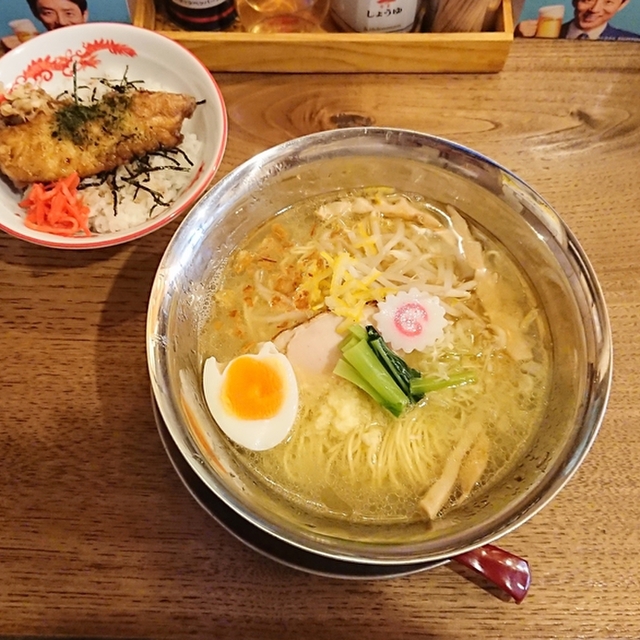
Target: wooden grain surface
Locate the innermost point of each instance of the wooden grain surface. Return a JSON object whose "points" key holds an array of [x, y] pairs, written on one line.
{"points": [[99, 538]]}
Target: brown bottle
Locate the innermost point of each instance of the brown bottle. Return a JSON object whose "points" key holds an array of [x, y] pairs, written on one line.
{"points": [[202, 15]]}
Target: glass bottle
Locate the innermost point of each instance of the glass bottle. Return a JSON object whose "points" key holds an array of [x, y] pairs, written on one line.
{"points": [[282, 16], [202, 15]]}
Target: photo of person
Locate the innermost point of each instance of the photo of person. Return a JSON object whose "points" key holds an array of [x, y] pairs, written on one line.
{"points": [[54, 14], [581, 20], [21, 20]]}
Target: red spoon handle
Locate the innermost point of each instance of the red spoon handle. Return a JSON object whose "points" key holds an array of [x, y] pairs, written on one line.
{"points": [[507, 571]]}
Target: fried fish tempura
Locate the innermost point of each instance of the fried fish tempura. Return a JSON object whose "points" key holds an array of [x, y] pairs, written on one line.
{"points": [[90, 139]]}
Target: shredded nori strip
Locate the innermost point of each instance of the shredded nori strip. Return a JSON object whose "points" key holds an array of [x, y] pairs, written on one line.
{"points": [[138, 172], [157, 197], [114, 193], [166, 153]]}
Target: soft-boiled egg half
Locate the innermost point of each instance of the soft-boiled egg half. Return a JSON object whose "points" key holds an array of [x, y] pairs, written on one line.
{"points": [[254, 398]]}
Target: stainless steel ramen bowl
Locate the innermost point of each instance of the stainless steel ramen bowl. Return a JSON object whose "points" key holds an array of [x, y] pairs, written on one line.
{"points": [[487, 194]]}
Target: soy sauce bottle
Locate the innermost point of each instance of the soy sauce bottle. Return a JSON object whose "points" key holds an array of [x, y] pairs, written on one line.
{"points": [[202, 15]]}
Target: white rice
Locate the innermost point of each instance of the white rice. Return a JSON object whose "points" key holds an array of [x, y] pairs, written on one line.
{"points": [[136, 205]]}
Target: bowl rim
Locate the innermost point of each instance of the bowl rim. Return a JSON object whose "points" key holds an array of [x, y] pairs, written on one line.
{"points": [[554, 479], [211, 160]]}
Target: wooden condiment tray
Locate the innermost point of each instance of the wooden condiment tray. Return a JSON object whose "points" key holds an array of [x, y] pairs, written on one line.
{"points": [[236, 50]]}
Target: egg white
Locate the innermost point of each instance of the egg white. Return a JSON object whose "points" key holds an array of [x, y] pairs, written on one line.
{"points": [[257, 435]]}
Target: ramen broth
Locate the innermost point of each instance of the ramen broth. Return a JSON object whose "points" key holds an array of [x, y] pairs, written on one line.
{"points": [[346, 456]]}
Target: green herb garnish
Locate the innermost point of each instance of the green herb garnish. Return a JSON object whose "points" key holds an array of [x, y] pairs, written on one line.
{"points": [[73, 119]]}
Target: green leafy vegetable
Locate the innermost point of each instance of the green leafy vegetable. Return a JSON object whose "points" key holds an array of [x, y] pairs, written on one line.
{"points": [[348, 372], [394, 364], [364, 361], [369, 363], [424, 385]]}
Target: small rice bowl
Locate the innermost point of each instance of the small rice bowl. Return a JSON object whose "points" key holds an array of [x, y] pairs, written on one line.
{"points": [[118, 53], [116, 202]]}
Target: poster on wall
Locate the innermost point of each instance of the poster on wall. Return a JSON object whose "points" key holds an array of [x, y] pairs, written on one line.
{"points": [[21, 20], [580, 19]]}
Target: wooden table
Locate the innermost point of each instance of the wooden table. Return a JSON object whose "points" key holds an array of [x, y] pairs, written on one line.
{"points": [[99, 538]]}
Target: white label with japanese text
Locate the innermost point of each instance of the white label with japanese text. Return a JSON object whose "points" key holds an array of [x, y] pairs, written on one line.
{"points": [[375, 15]]}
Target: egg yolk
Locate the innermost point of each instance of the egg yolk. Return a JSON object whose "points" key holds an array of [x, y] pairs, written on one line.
{"points": [[253, 389]]}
